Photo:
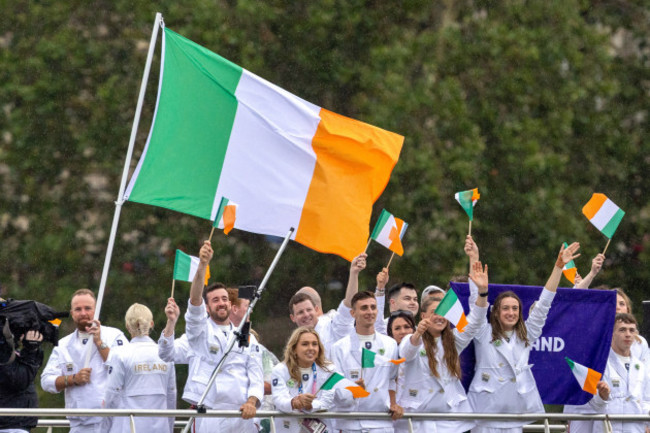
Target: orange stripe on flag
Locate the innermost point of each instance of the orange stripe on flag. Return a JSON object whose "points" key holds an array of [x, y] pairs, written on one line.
{"points": [[593, 205], [462, 323], [229, 214], [593, 377], [396, 244], [353, 165]]}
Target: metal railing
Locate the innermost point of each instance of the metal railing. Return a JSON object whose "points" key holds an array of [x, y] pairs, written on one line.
{"points": [[545, 418]]}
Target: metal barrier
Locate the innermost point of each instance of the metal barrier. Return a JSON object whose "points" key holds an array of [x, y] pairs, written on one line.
{"points": [[546, 418]]}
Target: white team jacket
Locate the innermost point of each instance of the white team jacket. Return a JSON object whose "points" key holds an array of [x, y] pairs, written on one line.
{"points": [[333, 327], [68, 358], [139, 379], [503, 381], [420, 391], [285, 388], [346, 355], [629, 394]]}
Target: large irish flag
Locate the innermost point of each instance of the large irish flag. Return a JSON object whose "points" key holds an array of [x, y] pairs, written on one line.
{"points": [[221, 131]]}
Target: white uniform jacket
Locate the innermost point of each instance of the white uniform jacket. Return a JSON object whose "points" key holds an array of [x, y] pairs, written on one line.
{"points": [[68, 358], [503, 381], [285, 388], [240, 377], [629, 394], [333, 327], [420, 391], [346, 355], [139, 379]]}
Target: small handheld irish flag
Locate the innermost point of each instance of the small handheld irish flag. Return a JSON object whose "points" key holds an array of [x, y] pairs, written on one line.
{"points": [[185, 267], [569, 270], [389, 232], [370, 359], [226, 215], [451, 309], [586, 377], [603, 214], [337, 381], [467, 200]]}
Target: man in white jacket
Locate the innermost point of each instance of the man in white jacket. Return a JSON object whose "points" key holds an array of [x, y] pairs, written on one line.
{"points": [[625, 386], [66, 370]]}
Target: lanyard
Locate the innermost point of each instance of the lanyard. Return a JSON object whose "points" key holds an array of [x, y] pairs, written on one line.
{"points": [[313, 384]]}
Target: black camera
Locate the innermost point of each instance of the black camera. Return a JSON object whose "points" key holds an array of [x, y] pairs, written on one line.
{"points": [[23, 316]]}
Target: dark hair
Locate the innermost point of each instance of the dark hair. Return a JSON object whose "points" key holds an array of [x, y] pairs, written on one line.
{"points": [[399, 314], [626, 318], [211, 288], [298, 298], [450, 356], [397, 288], [520, 326], [360, 296]]}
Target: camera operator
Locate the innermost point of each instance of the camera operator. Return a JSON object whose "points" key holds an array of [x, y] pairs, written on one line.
{"points": [[17, 372]]}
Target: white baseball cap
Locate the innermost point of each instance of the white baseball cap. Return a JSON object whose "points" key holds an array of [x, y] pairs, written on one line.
{"points": [[429, 290]]}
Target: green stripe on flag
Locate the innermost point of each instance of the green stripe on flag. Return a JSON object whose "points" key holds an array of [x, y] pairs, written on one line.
{"points": [[222, 207], [465, 200], [182, 266], [613, 223], [381, 222], [367, 358], [331, 381], [194, 117], [572, 364], [447, 302]]}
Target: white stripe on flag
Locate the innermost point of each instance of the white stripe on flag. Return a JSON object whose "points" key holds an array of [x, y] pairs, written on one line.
{"points": [[604, 214]]}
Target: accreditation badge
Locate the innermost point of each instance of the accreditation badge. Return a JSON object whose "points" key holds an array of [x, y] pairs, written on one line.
{"points": [[354, 374]]}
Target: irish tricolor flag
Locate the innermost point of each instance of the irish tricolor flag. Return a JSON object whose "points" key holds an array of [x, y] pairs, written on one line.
{"points": [[221, 131], [603, 213], [451, 309], [185, 267], [586, 377], [226, 215], [467, 200], [370, 359], [569, 270], [389, 232], [337, 381]]}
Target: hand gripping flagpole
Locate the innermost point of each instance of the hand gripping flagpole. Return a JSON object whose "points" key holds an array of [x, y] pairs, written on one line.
{"points": [[237, 334], [127, 163]]}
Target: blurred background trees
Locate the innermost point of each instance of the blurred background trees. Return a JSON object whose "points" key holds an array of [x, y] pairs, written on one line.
{"points": [[538, 103]]}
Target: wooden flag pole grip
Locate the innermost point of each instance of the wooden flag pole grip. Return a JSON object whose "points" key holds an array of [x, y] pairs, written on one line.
{"points": [[366, 250], [391, 259], [173, 283], [211, 233], [610, 239], [470, 228]]}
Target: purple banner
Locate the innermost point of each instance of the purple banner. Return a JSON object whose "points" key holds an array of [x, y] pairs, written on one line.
{"points": [[579, 326]]}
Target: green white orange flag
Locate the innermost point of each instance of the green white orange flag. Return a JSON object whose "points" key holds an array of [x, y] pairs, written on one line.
{"points": [[389, 232], [603, 214], [221, 131], [586, 377], [569, 270], [370, 359], [337, 381], [226, 215], [467, 200], [451, 309], [185, 267]]}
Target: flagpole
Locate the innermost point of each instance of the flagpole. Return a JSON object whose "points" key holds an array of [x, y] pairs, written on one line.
{"points": [[470, 228], [391, 259], [237, 333], [125, 173], [173, 283], [369, 240], [211, 233], [610, 239]]}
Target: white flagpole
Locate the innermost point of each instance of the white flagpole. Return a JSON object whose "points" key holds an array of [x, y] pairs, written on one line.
{"points": [[125, 173]]}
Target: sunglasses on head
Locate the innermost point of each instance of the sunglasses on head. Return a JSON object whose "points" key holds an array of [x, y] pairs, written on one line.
{"points": [[401, 312]]}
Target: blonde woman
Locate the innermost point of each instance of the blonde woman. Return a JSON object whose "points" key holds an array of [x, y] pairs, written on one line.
{"points": [[139, 379], [296, 381], [432, 371]]}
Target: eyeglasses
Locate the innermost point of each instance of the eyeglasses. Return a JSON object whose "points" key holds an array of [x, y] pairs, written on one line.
{"points": [[401, 312]]}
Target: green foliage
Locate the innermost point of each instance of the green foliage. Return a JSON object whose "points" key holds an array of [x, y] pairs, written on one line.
{"points": [[538, 103]]}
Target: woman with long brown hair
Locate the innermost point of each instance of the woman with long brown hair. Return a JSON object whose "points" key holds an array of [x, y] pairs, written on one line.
{"points": [[503, 382], [432, 369]]}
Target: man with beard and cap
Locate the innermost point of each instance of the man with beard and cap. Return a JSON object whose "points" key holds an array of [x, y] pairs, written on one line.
{"points": [[66, 370], [240, 382]]}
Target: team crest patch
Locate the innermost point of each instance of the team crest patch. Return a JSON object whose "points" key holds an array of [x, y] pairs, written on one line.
{"points": [[291, 383], [354, 374], [84, 341], [275, 382], [368, 345], [69, 367], [305, 377], [413, 392], [485, 377], [286, 424], [382, 351], [214, 349], [120, 342]]}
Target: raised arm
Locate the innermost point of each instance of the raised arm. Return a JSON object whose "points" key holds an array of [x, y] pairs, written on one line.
{"points": [[358, 264], [380, 295], [564, 257], [196, 291], [471, 250], [596, 266]]}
